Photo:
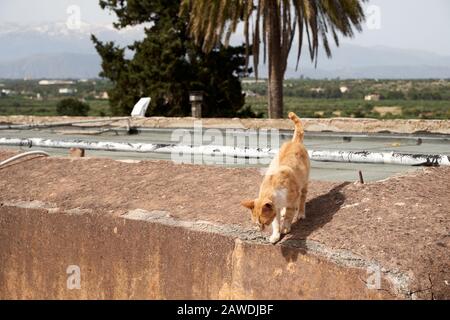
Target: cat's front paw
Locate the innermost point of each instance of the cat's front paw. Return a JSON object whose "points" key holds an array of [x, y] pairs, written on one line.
{"points": [[275, 238], [301, 216], [286, 230]]}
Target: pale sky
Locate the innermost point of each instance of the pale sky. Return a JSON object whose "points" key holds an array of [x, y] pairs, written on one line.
{"points": [[410, 24], [407, 24]]}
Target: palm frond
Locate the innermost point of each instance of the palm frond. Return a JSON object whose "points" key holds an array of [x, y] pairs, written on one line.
{"points": [[212, 22]]}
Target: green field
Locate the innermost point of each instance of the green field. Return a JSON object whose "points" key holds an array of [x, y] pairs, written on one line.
{"points": [[399, 99], [46, 107], [357, 108], [412, 99]]}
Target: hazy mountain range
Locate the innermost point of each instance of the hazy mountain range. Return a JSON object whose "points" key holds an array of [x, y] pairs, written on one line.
{"points": [[54, 51]]}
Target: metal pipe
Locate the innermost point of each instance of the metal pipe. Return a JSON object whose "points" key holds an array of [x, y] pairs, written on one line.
{"points": [[316, 155], [19, 156], [140, 147], [380, 157]]}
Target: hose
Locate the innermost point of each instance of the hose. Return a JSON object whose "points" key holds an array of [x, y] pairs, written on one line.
{"points": [[19, 156]]}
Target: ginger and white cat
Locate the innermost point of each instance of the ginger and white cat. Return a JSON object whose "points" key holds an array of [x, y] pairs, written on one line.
{"points": [[282, 195]]}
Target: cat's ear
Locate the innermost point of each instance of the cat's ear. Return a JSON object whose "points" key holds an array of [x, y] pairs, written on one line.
{"points": [[268, 210], [249, 204]]}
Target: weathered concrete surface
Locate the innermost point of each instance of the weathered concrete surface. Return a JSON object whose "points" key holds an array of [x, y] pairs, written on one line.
{"points": [[158, 230], [350, 125], [138, 259]]}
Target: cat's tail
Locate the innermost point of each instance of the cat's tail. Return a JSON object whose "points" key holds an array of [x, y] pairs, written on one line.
{"points": [[299, 132]]}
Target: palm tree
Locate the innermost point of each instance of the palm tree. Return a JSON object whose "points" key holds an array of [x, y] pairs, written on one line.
{"points": [[276, 23]]}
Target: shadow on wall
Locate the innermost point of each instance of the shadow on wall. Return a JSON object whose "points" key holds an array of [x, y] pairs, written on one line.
{"points": [[319, 211]]}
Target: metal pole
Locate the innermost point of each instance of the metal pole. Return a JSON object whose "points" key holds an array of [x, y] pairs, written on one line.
{"points": [[316, 155], [380, 157], [139, 147]]}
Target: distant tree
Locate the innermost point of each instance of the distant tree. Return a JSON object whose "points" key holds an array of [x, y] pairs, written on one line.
{"points": [[333, 93], [167, 65], [72, 107], [413, 94], [359, 113], [395, 95]]}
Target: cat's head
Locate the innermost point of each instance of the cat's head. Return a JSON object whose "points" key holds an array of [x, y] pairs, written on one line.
{"points": [[263, 211]]}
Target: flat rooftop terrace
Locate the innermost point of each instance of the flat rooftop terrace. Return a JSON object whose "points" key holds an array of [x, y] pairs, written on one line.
{"points": [[154, 229]]}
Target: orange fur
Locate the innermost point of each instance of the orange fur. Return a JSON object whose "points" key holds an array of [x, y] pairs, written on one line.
{"points": [[282, 195]]}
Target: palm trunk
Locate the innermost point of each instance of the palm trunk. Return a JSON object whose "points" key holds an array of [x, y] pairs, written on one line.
{"points": [[276, 74]]}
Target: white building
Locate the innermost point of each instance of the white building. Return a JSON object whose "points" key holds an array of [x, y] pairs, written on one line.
{"points": [[253, 81], [54, 82], [102, 95], [372, 97], [6, 92], [344, 89], [249, 93], [67, 91], [317, 90]]}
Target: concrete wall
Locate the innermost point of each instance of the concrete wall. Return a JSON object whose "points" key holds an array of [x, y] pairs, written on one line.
{"points": [[138, 257], [311, 125]]}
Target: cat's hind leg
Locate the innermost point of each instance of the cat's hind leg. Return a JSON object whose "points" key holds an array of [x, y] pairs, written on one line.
{"points": [[301, 210], [302, 205], [296, 212]]}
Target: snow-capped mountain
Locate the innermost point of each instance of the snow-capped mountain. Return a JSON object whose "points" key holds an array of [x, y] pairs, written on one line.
{"points": [[60, 50], [56, 49], [66, 29], [22, 41]]}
